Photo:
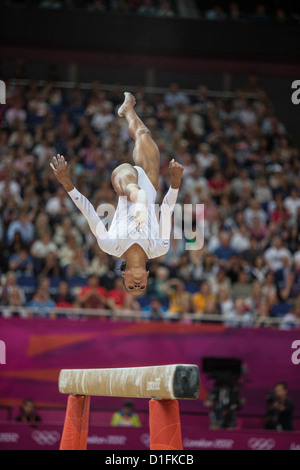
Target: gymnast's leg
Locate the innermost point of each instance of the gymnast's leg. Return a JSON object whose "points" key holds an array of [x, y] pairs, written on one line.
{"points": [[145, 153], [124, 179]]}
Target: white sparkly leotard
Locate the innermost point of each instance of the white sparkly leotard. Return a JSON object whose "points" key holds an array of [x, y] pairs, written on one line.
{"points": [[123, 232]]}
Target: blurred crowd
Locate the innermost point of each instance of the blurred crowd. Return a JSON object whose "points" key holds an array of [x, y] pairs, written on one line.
{"points": [[262, 12], [239, 161]]}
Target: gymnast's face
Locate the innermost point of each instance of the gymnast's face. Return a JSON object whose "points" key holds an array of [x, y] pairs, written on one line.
{"points": [[135, 280]]}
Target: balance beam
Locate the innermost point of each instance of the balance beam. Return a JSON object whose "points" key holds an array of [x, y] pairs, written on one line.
{"points": [[176, 381]]}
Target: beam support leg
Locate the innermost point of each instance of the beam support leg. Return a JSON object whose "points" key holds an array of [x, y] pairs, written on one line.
{"points": [[165, 425], [76, 427]]}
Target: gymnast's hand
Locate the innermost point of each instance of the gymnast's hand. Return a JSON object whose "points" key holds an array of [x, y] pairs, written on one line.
{"points": [[61, 170], [176, 171]]}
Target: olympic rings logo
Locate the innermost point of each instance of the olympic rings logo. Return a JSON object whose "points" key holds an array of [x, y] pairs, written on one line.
{"points": [[145, 439], [45, 438], [261, 443]]}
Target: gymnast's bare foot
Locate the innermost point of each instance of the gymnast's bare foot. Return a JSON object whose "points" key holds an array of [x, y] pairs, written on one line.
{"points": [[129, 100]]}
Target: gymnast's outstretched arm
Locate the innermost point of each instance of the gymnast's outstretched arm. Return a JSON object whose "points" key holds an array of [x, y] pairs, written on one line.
{"points": [[61, 170], [169, 201]]}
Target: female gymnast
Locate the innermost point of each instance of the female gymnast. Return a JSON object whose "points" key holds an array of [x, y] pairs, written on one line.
{"points": [[135, 233]]}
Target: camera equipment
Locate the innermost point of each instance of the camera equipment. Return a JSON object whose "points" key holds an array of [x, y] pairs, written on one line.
{"points": [[224, 395]]}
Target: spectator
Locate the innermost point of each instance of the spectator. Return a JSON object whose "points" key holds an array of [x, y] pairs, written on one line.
{"points": [[8, 286], [241, 182], [21, 140], [42, 304], [28, 413], [292, 204], [251, 254], [16, 114], [218, 185], [256, 297], [119, 299], [21, 262], [12, 296], [24, 226], [296, 258], [50, 4], [280, 307], [226, 304], [234, 11], [260, 15], [165, 9], [99, 262], [240, 240], [177, 248], [258, 229], [204, 266], [41, 225], [234, 267], [216, 13], [120, 6], [285, 278], [65, 230], [255, 211], [58, 204], [293, 239], [37, 106], [269, 288], [64, 127], [161, 275], [50, 266], [155, 311], [175, 96], [280, 15], [64, 297], [200, 299], [93, 295], [15, 302], [202, 101], [190, 122], [280, 409], [240, 315], [187, 8], [79, 266], [262, 191], [224, 251], [211, 308], [248, 115], [260, 269], [205, 158], [243, 287], [184, 270], [97, 6], [179, 298], [126, 416], [220, 281], [67, 252], [278, 211], [42, 247], [275, 254], [263, 315], [289, 320], [102, 118], [147, 8]]}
